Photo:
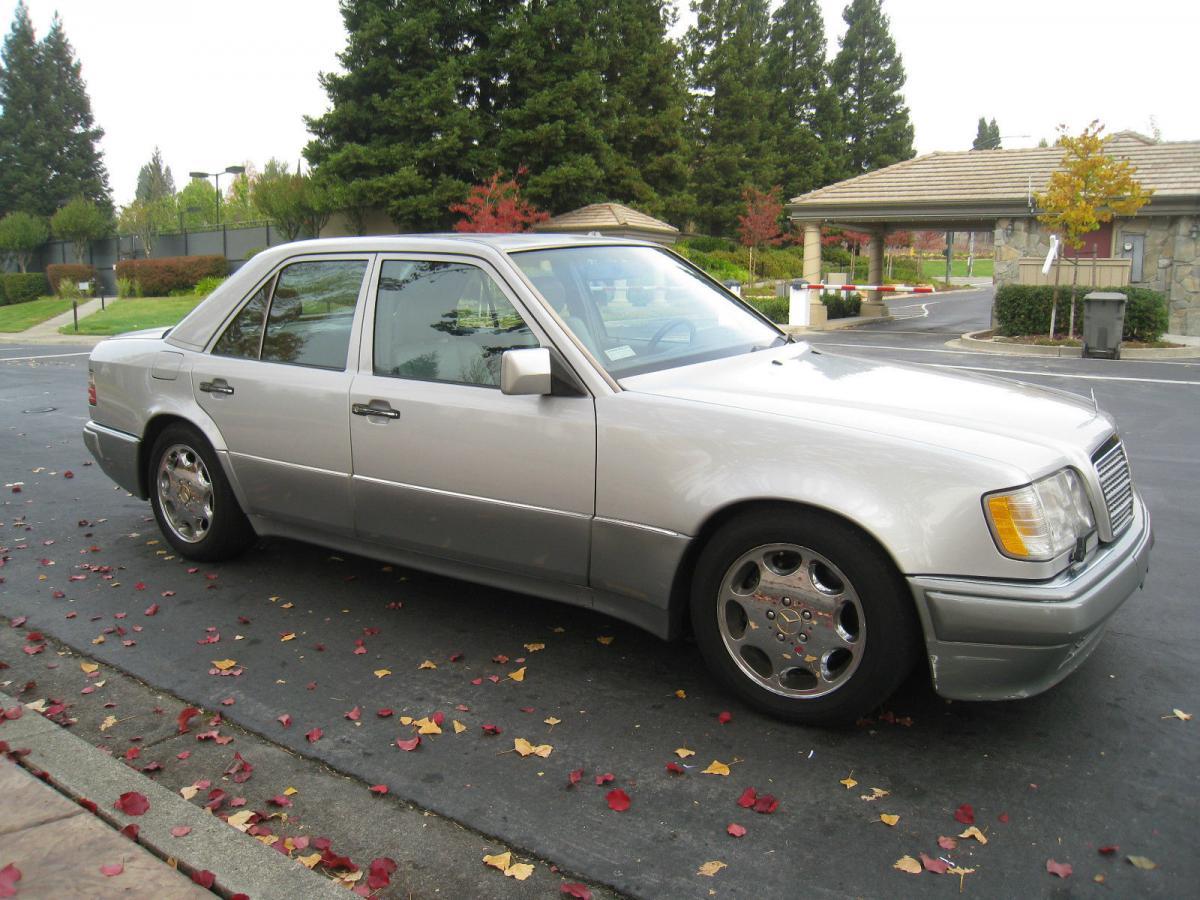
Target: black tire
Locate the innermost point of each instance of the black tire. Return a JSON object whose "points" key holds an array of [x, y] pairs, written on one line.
{"points": [[811, 577], [192, 500]]}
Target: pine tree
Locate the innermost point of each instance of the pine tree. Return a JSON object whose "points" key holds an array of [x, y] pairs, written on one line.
{"points": [[22, 172], [994, 135], [982, 135], [731, 109], [154, 180], [868, 76], [805, 114]]}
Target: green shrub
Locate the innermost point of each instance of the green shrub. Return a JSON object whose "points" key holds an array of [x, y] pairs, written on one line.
{"points": [[774, 308], [57, 273], [127, 287], [206, 286], [1025, 309], [159, 277], [836, 256], [706, 244], [842, 304], [719, 268], [20, 287]]}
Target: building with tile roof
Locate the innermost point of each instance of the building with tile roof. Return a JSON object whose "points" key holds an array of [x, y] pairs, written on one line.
{"points": [[611, 220]]}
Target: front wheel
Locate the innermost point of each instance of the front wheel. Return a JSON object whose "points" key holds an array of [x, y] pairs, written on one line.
{"points": [[192, 500], [803, 616]]}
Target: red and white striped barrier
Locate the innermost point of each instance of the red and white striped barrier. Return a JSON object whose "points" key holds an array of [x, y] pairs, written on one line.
{"points": [[886, 288]]}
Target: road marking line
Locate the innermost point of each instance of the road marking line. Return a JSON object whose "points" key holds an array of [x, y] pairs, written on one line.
{"points": [[1064, 375], [903, 349], [44, 356]]}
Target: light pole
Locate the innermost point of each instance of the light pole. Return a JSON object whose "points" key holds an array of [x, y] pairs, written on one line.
{"points": [[229, 170]]}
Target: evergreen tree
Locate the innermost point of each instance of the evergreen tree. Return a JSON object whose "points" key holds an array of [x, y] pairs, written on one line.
{"points": [[994, 135], [805, 114], [22, 168], [731, 108], [987, 136], [154, 180], [868, 77]]}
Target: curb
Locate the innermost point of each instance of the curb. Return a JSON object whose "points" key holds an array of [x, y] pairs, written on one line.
{"points": [[972, 341], [240, 863]]}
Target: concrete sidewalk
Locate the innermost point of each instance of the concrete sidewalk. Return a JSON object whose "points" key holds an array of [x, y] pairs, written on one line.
{"points": [[47, 332]]}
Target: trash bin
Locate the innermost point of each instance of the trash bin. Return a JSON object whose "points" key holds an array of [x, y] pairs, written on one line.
{"points": [[1103, 324]]}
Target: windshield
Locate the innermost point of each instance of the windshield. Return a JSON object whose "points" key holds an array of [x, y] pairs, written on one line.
{"points": [[640, 309]]}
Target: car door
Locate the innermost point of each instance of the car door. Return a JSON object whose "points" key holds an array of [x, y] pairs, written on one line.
{"points": [[444, 463], [276, 383]]}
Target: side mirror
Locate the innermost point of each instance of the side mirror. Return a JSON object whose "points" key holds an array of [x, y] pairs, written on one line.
{"points": [[525, 371]]}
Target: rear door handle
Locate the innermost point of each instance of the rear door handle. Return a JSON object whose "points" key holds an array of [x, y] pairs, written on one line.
{"points": [[366, 409], [216, 386]]}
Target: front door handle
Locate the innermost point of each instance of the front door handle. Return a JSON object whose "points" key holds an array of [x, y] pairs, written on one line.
{"points": [[366, 409], [216, 386]]}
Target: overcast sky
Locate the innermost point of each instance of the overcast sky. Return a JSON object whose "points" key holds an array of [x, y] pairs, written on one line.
{"points": [[219, 82]]}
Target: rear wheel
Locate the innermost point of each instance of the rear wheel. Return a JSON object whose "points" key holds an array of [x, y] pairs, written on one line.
{"points": [[192, 500], [803, 616]]}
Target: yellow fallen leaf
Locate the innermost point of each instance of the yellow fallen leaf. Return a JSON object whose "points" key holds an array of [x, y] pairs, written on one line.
{"points": [[288, 636], [519, 871], [99, 639], [428, 664], [499, 861], [241, 819], [525, 748], [888, 819], [551, 721], [459, 727], [39, 705], [534, 648], [287, 792], [907, 864], [1142, 862], [681, 694], [275, 599], [188, 792], [605, 640], [88, 667], [382, 673], [307, 861], [849, 781], [287, 605], [109, 722], [270, 839], [1098, 878], [711, 868], [974, 832], [1180, 715], [224, 664], [348, 878], [406, 720], [716, 767], [684, 752], [875, 794], [518, 675], [427, 726]]}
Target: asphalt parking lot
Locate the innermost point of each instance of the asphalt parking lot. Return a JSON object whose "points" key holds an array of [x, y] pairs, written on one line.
{"points": [[1099, 761]]}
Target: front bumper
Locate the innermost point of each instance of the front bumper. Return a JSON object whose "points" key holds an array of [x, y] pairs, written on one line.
{"points": [[118, 454], [1000, 640]]}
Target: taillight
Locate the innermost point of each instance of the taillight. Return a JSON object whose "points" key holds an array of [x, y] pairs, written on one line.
{"points": [[91, 388]]}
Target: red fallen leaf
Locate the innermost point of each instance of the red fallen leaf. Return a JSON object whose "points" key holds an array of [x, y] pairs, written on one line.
{"points": [[500, 659], [456, 657], [280, 800], [947, 843], [242, 620], [439, 718], [765, 804], [240, 770], [133, 753], [1109, 850], [491, 729], [70, 474], [736, 830], [181, 831], [237, 802], [152, 609], [675, 768], [33, 649], [186, 715], [34, 636], [285, 720], [1062, 870], [311, 686], [228, 701], [1002, 818], [409, 745], [183, 755], [14, 712], [300, 842], [211, 576], [19, 621], [462, 707], [384, 713], [131, 831], [379, 873], [128, 643], [380, 789], [527, 709], [618, 800], [215, 798], [315, 735], [89, 689], [938, 866], [749, 796], [725, 718], [140, 586], [152, 767], [573, 777], [476, 681], [354, 714], [89, 805], [605, 778], [132, 803], [112, 869], [965, 814], [204, 878], [494, 679], [575, 889]]}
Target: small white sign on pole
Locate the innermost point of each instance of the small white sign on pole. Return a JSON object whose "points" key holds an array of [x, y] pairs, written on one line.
{"points": [[798, 304], [1050, 256]]}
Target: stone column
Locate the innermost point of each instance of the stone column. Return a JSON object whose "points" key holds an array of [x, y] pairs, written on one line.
{"points": [[872, 304], [812, 274]]}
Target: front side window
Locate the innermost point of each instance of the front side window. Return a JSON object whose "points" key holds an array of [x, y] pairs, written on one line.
{"points": [[312, 309], [444, 321]]}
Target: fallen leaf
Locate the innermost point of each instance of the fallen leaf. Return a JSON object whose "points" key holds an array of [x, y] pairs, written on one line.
{"points": [[285, 720], [716, 767], [427, 726], [711, 868], [9, 876], [908, 864], [937, 866], [965, 814], [1109, 850], [575, 889], [428, 664], [499, 861], [519, 871], [88, 667], [573, 777], [409, 745], [735, 830], [241, 819], [109, 722], [1062, 870], [849, 781], [974, 832], [684, 752], [605, 640], [525, 748], [181, 831], [947, 843], [551, 721], [875, 794], [132, 803], [606, 778], [1142, 862], [459, 727], [314, 735], [534, 648], [1180, 715], [681, 694], [380, 789], [353, 715], [889, 819], [725, 717], [224, 664], [518, 675], [618, 800], [112, 869], [382, 673], [675, 769], [287, 636], [309, 861]]}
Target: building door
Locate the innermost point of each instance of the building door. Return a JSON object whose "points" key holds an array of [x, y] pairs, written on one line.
{"points": [[1133, 247]]}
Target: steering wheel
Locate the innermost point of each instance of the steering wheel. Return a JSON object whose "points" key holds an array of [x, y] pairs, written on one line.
{"points": [[667, 328]]}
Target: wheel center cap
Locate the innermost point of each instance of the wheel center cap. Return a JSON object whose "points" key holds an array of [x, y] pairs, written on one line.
{"points": [[788, 620], [186, 494]]}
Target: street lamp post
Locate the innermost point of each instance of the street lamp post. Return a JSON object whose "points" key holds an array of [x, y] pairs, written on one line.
{"points": [[229, 170]]}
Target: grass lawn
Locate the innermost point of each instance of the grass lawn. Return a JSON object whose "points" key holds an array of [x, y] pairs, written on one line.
{"points": [[134, 313], [20, 316]]}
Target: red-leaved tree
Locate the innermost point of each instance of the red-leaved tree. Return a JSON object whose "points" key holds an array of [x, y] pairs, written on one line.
{"points": [[759, 226], [497, 207], [927, 242]]}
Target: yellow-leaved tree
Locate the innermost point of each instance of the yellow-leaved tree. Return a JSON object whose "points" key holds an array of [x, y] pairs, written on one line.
{"points": [[1087, 189]]}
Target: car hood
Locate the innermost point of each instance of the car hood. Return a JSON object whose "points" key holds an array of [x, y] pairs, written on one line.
{"points": [[143, 334], [1027, 425]]}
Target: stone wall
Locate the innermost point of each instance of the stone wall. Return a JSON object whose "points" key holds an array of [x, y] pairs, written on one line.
{"points": [[1170, 264]]}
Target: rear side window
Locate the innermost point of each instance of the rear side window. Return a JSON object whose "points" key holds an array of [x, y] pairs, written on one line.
{"points": [[244, 334]]}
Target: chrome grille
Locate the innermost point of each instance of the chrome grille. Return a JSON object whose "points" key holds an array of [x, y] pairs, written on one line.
{"points": [[1113, 469]]}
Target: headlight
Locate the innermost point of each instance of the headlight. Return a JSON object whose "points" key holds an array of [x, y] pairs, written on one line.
{"points": [[1042, 520]]}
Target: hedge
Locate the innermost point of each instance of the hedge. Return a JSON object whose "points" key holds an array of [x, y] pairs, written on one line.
{"points": [[158, 277], [18, 287], [1023, 309], [774, 308], [72, 272], [842, 305]]}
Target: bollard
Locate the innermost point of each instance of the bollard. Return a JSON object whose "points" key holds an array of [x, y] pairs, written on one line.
{"points": [[75, 313]]}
